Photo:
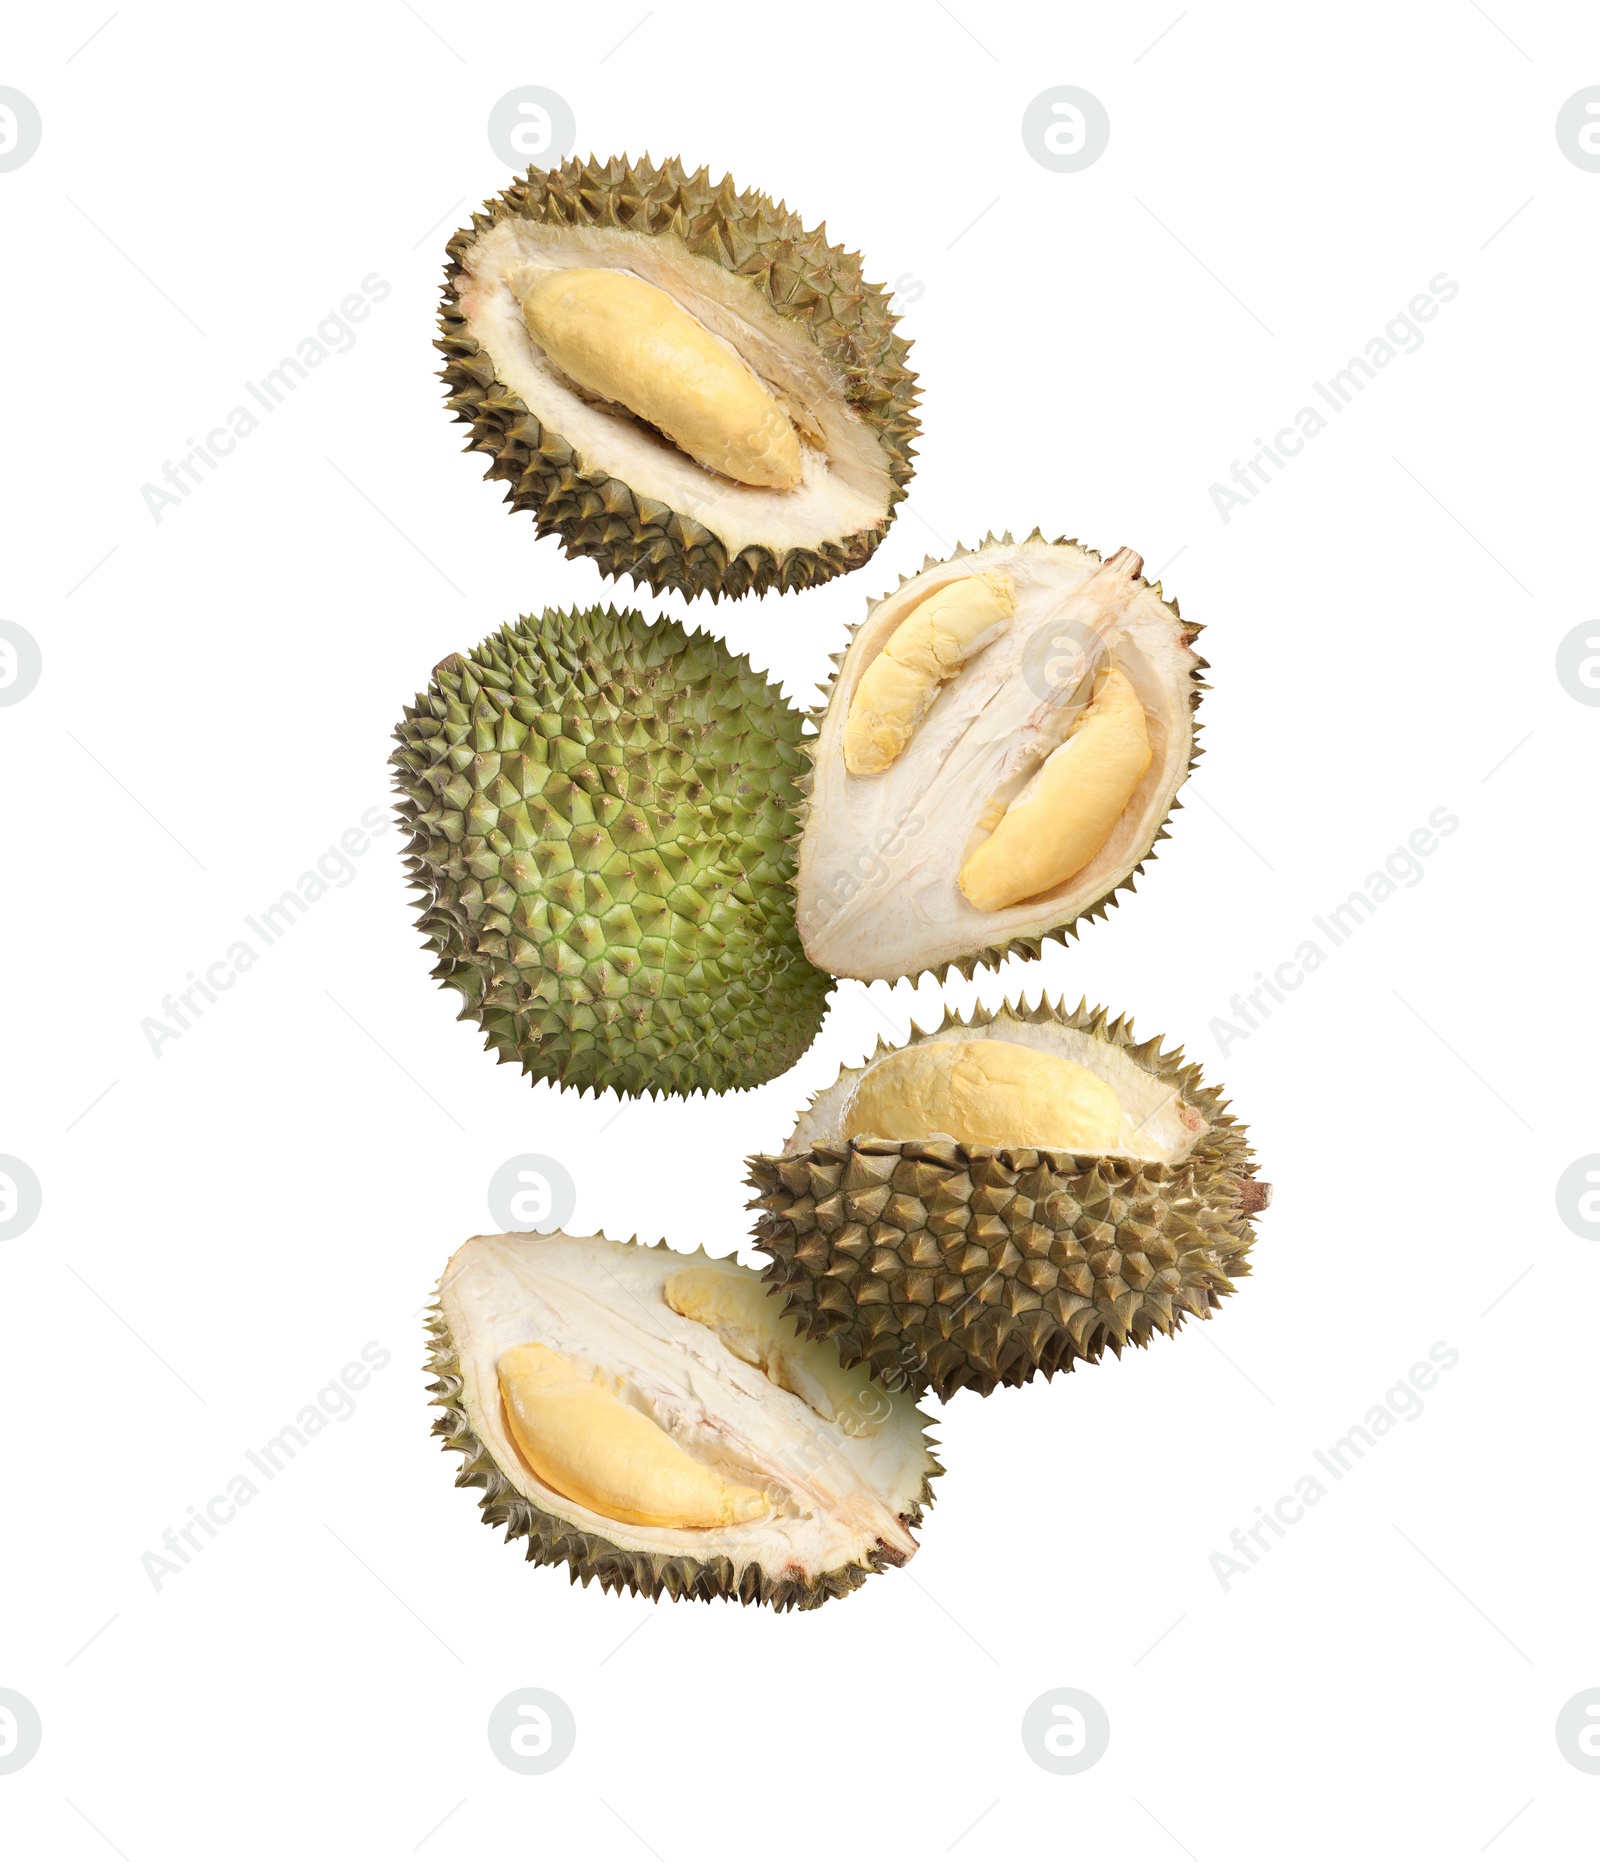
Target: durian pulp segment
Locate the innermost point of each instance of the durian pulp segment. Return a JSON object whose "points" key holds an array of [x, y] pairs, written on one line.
{"points": [[985, 1092], [750, 1322], [1065, 813], [927, 649], [634, 344], [881, 854], [846, 484], [598, 1307], [1043, 1075], [590, 1446]]}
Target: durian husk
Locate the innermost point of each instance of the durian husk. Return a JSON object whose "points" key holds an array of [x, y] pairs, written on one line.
{"points": [[1058, 1257], [551, 1540], [993, 954], [804, 278]]}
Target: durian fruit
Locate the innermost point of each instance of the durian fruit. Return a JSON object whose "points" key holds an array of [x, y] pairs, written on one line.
{"points": [[651, 1419], [678, 379], [996, 758], [600, 814], [1007, 1195]]}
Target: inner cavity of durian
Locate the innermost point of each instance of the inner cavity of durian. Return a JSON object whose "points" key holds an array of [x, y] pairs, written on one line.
{"points": [[588, 1430], [885, 851], [835, 1460], [1072, 1093], [845, 484]]}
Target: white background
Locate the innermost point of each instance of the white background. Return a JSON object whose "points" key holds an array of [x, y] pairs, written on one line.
{"points": [[225, 1225]]}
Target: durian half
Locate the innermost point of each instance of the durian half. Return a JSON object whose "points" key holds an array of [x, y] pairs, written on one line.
{"points": [[651, 1419], [1007, 1195], [678, 379], [996, 759]]}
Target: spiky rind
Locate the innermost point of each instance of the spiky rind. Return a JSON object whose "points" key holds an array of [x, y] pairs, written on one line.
{"points": [[555, 1541], [599, 814], [960, 1266], [805, 279], [993, 955]]}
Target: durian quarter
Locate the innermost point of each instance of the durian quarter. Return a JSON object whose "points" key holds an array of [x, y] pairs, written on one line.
{"points": [[652, 1420], [600, 815], [678, 378], [995, 760], [905, 1224]]}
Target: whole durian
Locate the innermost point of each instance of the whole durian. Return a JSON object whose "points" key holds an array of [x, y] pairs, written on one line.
{"points": [[600, 813], [996, 759], [1007, 1195], [651, 1419], [678, 379]]}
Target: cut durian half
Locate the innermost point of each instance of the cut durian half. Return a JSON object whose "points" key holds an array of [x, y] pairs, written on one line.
{"points": [[678, 378], [1004, 1196], [653, 1420], [996, 758]]}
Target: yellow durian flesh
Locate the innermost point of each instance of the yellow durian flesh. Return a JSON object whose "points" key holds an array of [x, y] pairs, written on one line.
{"points": [[634, 344], [594, 1449], [750, 1321], [1065, 815], [985, 1092], [927, 649]]}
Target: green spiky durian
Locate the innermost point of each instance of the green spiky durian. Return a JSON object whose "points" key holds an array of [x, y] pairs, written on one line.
{"points": [[599, 813], [951, 1264], [690, 1355], [590, 457], [910, 775]]}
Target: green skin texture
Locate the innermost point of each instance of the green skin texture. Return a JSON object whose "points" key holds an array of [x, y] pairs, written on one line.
{"points": [[552, 1540], [951, 1266], [600, 814], [805, 279]]}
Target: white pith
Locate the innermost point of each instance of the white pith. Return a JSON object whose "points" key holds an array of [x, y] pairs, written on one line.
{"points": [[1158, 1125], [847, 485], [879, 859], [837, 1497]]}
